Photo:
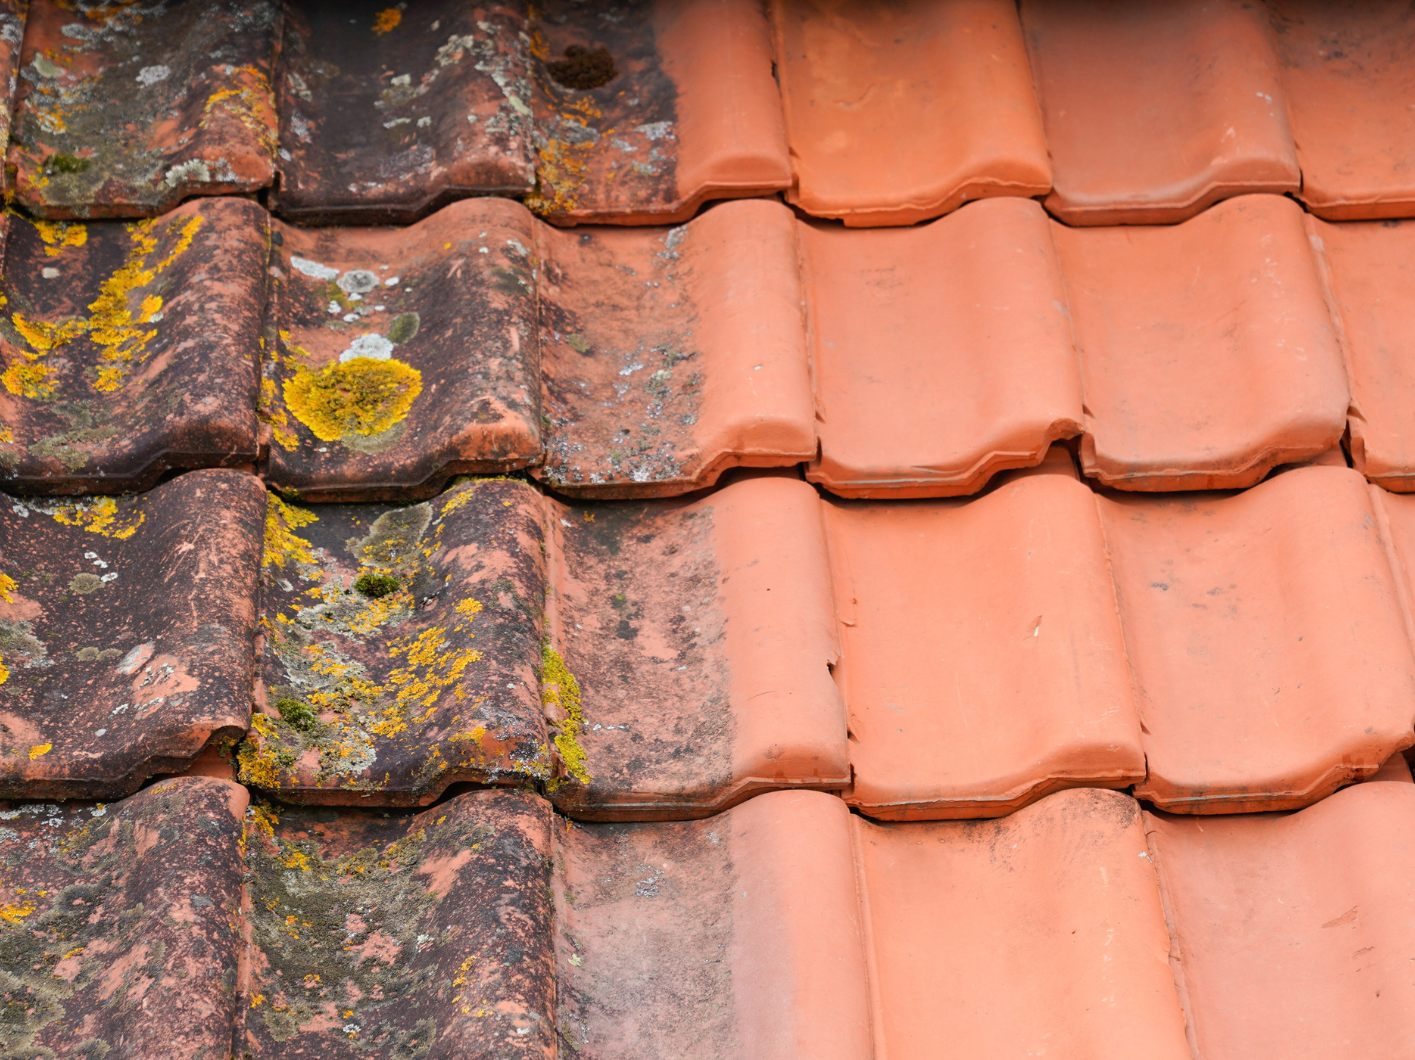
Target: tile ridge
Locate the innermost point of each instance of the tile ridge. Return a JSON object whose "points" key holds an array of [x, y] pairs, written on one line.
{"points": [[867, 938], [1176, 950]]}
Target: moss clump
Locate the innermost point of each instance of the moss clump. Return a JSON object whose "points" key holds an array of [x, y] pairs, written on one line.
{"points": [[560, 689], [296, 714], [376, 586], [362, 396], [67, 164], [404, 328]]}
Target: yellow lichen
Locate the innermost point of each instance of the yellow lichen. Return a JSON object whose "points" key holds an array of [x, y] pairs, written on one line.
{"points": [[39, 750], [361, 396], [282, 544], [14, 912], [7, 588], [251, 103], [60, 234], [560, 689], [387, 20], [269, 410], [4, 671], [100, 517]]}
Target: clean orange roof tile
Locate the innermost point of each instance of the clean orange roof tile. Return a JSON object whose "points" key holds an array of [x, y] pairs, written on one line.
{"points": [[645, 113], [123, 110], [130, 349], [901, 112], [942, 353], [1207, 352], [1267, 640], [671, 355], [1293, 934], [1156, 110], [983, 661], [387, 112], [125, 633]]}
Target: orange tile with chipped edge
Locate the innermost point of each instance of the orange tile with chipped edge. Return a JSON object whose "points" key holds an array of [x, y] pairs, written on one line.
{"points": [[942, 354], [983, 660], [901, 112], [1267, 639], [1201, 115], [1293, 934], [1038, 934], [1348, 70], [1207, 353]]}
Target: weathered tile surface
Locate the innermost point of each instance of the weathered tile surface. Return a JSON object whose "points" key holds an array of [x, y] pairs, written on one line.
{"points": [[123, 110], [388, 111], [120, 925], [401, 357], [126, 631], [401, 648], [130, 349]]}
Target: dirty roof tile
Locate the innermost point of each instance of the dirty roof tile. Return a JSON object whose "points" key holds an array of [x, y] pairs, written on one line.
{"points": [[700, 636], [112, 915], [402, 357], [387, 112], [401, 648], [1206, 348], [127, 632], [942, 353], [1293, 934], [12, 31], [1041, 933], [983, 660], [1348, 74], [1266, 637], [124, 110], [689, 111], [1202, 115], [403, 936], [130, 349], [671, 355], [901, 112]]}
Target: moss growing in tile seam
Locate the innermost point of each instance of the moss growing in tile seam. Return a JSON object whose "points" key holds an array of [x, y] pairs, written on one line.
{"points": [[560, 689]]}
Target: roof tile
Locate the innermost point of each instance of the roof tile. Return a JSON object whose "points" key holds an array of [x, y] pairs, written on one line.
{"points": [[691, 114], [131, 348], [384, 117], [126, 633], [901, 112], [122, 112]]}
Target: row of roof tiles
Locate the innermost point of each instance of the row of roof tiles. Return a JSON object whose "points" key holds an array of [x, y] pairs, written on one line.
{"points": [[665, 659], [875, 114], [784, 928], [366, 364]]}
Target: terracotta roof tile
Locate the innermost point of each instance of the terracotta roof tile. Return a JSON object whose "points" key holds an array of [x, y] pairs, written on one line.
{"points": [[1293, 933], [690, 114], [1206, 348], [902, 112], [131, 349], [123, 111], [383, 117], [114, 914], [12, 31], [125, 644]]}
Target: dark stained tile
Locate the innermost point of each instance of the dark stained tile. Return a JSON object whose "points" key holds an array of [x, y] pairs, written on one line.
{"points": [[401, 357], [12, 32], [126, 631], [400, 648], [130, 349], [120, 925], [124, 110], [387, 111]]}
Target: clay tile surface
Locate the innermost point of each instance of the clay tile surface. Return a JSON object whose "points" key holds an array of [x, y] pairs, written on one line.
{"points": [[727, 939], [125, 644], [12, 30], [112, 915], [700, 636], [1207, 352], [942, 353], [124, 110], [387, 111], [1039, 934], [983, 660], [401, 937], [402, 356], [671, 355], [401, 647], [1371, 276], [1266, 636], [1293, 934], [130, 349], [689, 111], [1347, 71], [1202, 115], [901, 112]]}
